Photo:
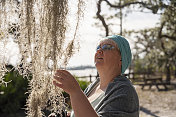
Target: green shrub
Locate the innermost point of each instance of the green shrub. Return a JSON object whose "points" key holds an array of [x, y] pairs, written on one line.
{"points": [[13, 97], [83, 84]]}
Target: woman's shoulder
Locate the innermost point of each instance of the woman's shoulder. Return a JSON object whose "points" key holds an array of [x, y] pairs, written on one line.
{"points": [[121, 84], [120, 99]]}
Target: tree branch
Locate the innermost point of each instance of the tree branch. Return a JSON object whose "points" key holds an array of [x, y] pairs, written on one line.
{"points": [[169, 37], [101, 17], [173, 53], [160, 35], [164, 49], [154, 8], [160, 30]]}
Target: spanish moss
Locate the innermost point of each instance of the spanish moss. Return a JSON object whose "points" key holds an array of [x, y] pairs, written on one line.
{"points": [[39, 28]]}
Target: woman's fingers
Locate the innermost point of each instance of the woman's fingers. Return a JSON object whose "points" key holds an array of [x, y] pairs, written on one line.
{"points": [[66, 81], [58, 78], [61, 76], [58, 84], [64, 72], [59, 73]]}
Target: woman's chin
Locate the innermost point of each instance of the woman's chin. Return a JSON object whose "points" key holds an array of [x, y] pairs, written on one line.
{"points": [[98, 64]]}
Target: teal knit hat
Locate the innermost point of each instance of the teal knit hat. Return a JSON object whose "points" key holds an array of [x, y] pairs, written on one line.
{"points": [[125, 50]]}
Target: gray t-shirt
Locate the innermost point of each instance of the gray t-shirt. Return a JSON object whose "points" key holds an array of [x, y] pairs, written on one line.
{"points": [[120, 99]]}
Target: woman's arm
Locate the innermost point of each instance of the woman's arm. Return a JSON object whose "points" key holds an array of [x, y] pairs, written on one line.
{"points": [[80, 104]]}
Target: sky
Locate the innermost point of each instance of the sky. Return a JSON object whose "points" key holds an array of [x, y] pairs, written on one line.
{"points": [[89, 34]]}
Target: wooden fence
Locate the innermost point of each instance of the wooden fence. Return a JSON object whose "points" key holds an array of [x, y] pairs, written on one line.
{"points": [[141, 79], [90, 77]]}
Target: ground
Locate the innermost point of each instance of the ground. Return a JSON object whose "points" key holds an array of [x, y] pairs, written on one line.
{"points": [[154, 103]]}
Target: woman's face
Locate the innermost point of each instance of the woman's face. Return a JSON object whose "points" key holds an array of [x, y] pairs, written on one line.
{"points": [[107, 55]]}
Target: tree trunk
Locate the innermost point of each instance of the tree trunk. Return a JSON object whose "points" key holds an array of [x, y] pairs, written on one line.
{"points": [[175, 70], [120, 19], [101, 18], [168, 74]]}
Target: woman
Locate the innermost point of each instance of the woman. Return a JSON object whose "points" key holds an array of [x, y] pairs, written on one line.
{"points": [[112, 95]]}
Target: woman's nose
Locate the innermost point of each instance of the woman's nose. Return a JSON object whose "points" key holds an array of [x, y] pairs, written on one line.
{"points": [[100, 51]]}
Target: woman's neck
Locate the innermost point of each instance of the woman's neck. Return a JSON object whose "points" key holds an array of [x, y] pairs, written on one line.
{"points": [[107, 77]]}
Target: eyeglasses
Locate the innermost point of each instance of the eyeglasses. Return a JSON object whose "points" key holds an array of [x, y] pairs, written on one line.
{"points": [[105, 47]]}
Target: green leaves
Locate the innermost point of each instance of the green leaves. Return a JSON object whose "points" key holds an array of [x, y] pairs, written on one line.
{"points": [[13, 97]]}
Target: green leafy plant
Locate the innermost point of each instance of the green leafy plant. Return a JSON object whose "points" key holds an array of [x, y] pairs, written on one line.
{"points": [[13, 96], [83, 84]]}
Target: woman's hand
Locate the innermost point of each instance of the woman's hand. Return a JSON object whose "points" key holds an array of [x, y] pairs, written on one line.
{"points": [[79, 101], [66, 81]]}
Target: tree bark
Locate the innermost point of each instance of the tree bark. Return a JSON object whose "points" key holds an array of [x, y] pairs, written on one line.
{"points": [[100, 17], [120, 19], [168, 74], [175, 70]]}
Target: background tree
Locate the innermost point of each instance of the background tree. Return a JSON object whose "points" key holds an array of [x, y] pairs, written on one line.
{"points": [[119, 9], [157, 44]]}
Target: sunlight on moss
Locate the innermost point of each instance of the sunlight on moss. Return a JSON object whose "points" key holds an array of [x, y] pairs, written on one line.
{"points": [[39, 28]]}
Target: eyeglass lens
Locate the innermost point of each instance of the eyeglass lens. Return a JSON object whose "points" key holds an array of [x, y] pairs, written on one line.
{"points": [[105, 47]]}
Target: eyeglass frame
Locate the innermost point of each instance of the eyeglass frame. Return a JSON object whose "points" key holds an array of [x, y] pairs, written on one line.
{"points": [[105, 47]]}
